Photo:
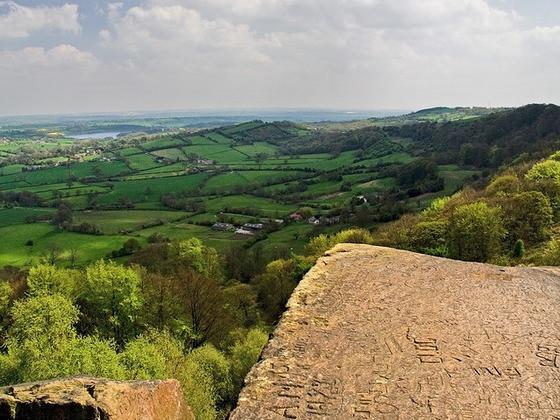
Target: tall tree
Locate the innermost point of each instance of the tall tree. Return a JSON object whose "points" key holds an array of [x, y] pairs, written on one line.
{"points": [[112, 300]]}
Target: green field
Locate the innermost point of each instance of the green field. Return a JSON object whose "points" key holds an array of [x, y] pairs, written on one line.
{"points": [[148, 190], [200, 140], [115, 221], [455, 177], [177, 231], [170, 154], [255, 148], [218, 138], [162, 143], [219, 153], [138, 186], [128, 151], [18, 215], [265, 207], [14, 251], [141, 162], [11, 169]]}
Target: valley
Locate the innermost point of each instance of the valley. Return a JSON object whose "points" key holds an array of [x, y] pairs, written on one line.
{"points": [[180, 184]]}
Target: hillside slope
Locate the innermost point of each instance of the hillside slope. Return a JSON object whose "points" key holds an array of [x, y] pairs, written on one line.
{"points": [[492, 140], [379, 333]]}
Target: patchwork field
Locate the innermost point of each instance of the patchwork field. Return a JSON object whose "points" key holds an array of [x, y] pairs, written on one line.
{"points": [[179, 185]]}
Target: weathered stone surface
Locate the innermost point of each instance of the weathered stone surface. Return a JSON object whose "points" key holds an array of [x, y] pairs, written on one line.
{"points": [[380, 333], [81, 398]]}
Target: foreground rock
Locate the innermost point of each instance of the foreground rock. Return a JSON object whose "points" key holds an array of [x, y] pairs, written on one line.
{"points": [[94, 399], [380, 333]]}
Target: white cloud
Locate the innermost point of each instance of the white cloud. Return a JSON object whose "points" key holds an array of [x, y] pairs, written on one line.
{"points": [[179, 34], [104, 35], [314, 53], [18, 21], [37, 58]]}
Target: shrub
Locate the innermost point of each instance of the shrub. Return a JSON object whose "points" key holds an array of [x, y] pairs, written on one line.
{"points": [[555, 156], [198, 388], [47, 279], [547, 170], [475, 232], [428, 235], [43, 344], [322, 243], [529, 214], [519, 249], [214, 363], [354, 236], [143, 360], [551, 253], [318, 245], [245, 353], [507, 184]]}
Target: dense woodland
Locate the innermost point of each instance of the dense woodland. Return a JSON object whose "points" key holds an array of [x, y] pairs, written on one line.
{"points": [[490, 142]]}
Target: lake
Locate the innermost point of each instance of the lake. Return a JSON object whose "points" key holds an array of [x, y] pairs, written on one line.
{"points": [[95, 136]]}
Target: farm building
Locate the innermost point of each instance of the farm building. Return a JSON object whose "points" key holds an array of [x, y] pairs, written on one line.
{"points": [[253, 226], [244, 232], [330, 220], [296, 217], [223, 226]]}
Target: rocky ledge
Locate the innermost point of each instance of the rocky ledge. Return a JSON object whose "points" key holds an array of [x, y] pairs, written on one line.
{"points": [[379, 333], [83, 398]]}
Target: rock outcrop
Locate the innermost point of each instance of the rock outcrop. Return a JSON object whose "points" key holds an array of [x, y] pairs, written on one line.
{"points": [[83, 398], [379, 333]]}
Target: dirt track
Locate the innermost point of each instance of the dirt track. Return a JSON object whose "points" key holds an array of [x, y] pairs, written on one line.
{"points": [[380, 333]]}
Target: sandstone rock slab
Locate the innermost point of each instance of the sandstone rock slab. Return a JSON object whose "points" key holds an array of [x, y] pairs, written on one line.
{"points": [[81, 398], [379, 333]]}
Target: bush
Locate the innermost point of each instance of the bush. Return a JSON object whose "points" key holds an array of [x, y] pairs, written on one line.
{"points": [[519, 249], [547, 170], [528, 216], [275, 285], [43, 344], [551, 253], [428, 235], [318, 245], [245, 353], [143, 360], [475, 232], [507, 184], [198, 388], [47, 279], [214, 363], [555, 156], [354, 236], [129, 247]]}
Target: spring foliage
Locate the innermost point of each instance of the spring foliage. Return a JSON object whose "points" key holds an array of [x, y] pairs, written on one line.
{"points": [[511, 221]]}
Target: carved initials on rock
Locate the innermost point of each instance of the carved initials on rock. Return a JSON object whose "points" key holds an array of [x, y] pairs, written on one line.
{"points": [[549, 355]]}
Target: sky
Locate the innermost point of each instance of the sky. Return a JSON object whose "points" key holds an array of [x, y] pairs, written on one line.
{"points": [[102, 56]]}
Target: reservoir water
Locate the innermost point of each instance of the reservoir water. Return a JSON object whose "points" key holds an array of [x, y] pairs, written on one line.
{"points": [[95, 136]]}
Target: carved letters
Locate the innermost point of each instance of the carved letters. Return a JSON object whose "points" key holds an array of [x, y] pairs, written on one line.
{"points": [[549, 355]]}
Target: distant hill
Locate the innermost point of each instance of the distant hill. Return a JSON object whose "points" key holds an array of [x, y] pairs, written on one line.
{"points": [[492, 140], [436, 114]]}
